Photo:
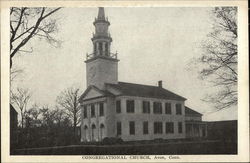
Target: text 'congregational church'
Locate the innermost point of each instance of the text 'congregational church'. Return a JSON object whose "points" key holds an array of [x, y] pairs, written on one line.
{"points": [[126, 110]]}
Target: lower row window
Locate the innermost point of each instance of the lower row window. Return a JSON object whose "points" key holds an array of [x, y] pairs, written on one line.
{"points": [[180, 127], [157, 127], [169, 127], [131, 127], [118, 128]]}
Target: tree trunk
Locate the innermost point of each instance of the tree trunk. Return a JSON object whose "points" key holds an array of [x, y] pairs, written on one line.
{"points": [[22, 120], [74, 128]]}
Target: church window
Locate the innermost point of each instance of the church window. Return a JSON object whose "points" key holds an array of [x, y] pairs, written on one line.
{"points": [[180, 127], [178, 109], [118, 128], [131, 127], [145, 127], [101, 109], [92, 110], [118, 106], [100, 48], [157, 127], [168, 108], [85, 113], [130, 106], [146, 107], [157, 108], [106, 49], [169, 127]]}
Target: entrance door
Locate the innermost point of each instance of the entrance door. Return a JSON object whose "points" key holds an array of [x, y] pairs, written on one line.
{"points": [[85, 133], [101, 131], [93, 130]]}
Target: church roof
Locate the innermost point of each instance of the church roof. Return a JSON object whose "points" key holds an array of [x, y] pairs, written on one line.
{"points": [[131, 89], [189, 111]]}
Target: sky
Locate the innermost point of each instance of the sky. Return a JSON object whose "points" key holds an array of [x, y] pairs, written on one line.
{"points": [[153, 43]]}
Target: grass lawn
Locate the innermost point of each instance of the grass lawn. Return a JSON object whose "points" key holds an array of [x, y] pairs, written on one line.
{"points": [[179, 147]]}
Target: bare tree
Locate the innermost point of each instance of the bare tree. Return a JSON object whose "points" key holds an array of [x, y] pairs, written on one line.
{"points": [[26, 23], [68, 99], [219, 60], [32, 115], [59, 116], [14, 73], [20, 99], [47, 116]]}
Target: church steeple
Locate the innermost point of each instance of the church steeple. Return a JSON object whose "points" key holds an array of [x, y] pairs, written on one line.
{"points": [[101, 38], [101, 13], [101, 64]]}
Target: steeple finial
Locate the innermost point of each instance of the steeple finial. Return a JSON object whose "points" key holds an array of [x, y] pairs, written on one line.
{"points": [[101, 14]]}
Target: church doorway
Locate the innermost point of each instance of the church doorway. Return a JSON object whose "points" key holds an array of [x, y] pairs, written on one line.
{"points": [[93, 132], [85, 132], [102, 131]]}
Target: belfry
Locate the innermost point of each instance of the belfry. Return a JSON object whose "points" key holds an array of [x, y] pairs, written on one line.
{"points": [[101, 39]]}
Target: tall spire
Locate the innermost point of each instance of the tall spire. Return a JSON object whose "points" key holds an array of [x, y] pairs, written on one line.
{"points": [[101, 14], [101, 38]]}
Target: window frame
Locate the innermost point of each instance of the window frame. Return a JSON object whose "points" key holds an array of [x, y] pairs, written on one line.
{"points": [[85, 111], [156, 128], [118, 110], [168, 108], [128, 109], [101, 108], [92, 110], [145, 128], [178, 110], [180, 128], [155, 108], [146, 107], [131, 127], [171, 129], [118, 128]]}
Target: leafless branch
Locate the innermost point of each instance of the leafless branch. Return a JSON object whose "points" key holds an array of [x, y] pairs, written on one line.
{"points": [[68, 99], [20, 99], [26, 23], [219, 60]]}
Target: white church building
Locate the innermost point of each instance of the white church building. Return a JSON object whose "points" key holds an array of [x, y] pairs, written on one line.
{"points": [[110, 108]]}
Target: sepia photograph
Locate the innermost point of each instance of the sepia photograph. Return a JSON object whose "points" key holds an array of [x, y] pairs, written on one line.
{"points": [[105, 82]]}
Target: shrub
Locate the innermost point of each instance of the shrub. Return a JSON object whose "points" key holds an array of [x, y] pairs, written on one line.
{"points": [[158, 140], [112, 140]]}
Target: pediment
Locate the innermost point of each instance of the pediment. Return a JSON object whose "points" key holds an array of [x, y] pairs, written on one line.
{"points": [[91, 92]]}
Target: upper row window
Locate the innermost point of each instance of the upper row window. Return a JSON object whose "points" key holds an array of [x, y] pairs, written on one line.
{"points": [[178, 109], [85, 113], [101, 109], [130, 106], [118, 106], [168, 108], [146, 107], [157, 108], [93, 111]]}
